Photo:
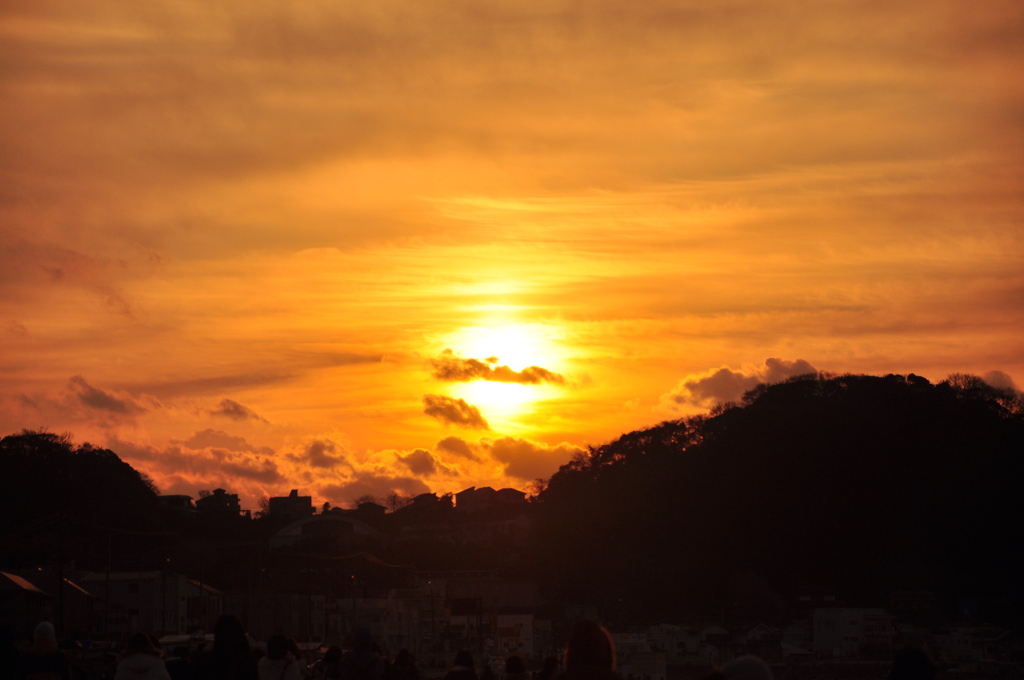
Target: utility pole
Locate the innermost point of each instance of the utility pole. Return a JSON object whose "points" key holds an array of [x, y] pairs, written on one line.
{"points": [[309, 599], [106, 590], [352, 624], [60, 579], [248, 588], [433, 629], [163, 602], [202, 604]]}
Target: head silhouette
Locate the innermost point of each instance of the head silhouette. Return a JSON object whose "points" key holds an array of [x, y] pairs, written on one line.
{"points": [[912, 664], [590, 646], [464, 658], [229, 637], [514, 665], [277, 647]]}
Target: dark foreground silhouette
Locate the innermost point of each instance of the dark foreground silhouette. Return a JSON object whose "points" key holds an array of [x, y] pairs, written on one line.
{"points": [[858, 486]]}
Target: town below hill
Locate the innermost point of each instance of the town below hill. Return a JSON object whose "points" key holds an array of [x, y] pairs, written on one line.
{"points": [[828, 517]]}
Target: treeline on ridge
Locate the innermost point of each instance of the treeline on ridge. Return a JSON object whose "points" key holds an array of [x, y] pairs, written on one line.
{"points": [[854, 485]]}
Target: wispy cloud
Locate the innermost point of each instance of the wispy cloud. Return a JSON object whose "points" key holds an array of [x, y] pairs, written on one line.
{"points": [[451, 367], [219, 439], [101, 400]]}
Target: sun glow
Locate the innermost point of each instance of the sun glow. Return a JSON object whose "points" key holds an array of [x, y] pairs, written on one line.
{"points": [[496, 399], [514, 345], [517, 346]]}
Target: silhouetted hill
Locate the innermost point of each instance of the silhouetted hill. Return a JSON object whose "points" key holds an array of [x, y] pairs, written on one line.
{"points": [[57, 497], [856, 484]]}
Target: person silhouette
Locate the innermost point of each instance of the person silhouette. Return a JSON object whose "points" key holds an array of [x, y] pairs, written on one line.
{"points": [[362, 662], [589, 653], [141, 660], [231, 656], [912, 664], [43, 657], [463, 668]]}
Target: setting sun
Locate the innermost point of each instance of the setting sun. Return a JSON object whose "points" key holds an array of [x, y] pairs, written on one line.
{"points": [[516, 345], [496, 400]]}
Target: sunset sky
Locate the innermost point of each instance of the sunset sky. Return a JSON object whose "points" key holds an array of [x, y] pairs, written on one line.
{"points": [[355, 248]]}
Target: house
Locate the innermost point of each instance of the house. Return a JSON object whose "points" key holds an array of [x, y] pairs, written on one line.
{"points": [[335, 530], [764, 641], [475, 501], [22, 601], [179, 504], [715, 643], [291, 507], [370, 512], [219, 503], [158, 602], [677, 642], [46, 593], [852, 632]]}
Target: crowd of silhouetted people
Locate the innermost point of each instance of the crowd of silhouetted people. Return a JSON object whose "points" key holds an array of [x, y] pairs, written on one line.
{"points": [[589, 655]]}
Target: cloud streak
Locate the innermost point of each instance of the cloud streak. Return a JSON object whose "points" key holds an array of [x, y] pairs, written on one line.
{"points": [[101, 400], [450, 367], [229, 408]]}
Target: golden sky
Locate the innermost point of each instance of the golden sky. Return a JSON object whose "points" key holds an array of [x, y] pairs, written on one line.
{"points": [[358, 248]]}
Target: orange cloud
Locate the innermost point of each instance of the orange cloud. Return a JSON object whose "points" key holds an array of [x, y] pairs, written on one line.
{"points": [[457, 447], [101, 400], [206, 460], [526, 460], [518, 458], [322, 453], [726, 385], [373, 484], [452, 411], [230, 408], [422, 463], [450, 367]]}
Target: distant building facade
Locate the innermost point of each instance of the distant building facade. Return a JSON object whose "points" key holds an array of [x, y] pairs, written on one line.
{"points": [[152, 601], [219, 503], [853, 632], [291, 507]]}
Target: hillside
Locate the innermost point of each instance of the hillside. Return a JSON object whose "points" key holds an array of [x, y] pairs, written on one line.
{"points": [[854, 485]]}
